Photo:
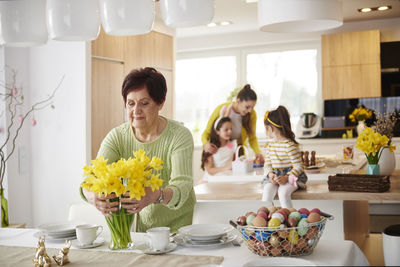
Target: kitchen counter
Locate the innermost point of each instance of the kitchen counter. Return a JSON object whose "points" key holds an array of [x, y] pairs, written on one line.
{"points": [[355, 204]]}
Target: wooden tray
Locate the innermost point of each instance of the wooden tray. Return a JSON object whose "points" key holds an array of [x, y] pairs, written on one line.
{"points": [[359, 183]]}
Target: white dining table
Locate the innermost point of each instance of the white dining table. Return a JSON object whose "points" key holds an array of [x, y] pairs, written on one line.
{"points": [[327, 252]]}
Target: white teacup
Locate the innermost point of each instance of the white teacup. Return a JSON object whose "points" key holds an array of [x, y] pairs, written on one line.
{"points": [[87, 233], [158, 238]]}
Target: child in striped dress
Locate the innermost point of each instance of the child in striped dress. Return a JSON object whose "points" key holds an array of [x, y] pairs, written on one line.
{"points": [[283, 166]]}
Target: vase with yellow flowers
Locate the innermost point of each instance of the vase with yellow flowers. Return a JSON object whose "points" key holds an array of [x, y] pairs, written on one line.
{"points": [[125, 177], [372, 144], [359, 115]]}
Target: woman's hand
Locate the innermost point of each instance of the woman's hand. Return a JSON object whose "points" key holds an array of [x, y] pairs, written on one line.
{"points": [[102, 203], [259, 158], [133, 205], [281, 180], [210, 148]]}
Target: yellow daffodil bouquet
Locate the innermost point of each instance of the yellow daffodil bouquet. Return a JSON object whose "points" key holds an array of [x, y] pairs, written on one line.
{"points": [[360, 114], [126, 176], [371, 143]]}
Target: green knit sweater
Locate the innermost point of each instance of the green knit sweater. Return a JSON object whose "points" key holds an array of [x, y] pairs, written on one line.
{"points": [[175, 147]]}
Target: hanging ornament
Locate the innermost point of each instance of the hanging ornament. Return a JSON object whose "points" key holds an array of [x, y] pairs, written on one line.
{"points": [[15, 91], [33, 122], [21, 118]]}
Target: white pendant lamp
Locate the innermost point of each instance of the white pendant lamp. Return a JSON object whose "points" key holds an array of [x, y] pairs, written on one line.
{"points": [[299, 15], [127, 17], [23, 23], [73, 20], [187, 13]]}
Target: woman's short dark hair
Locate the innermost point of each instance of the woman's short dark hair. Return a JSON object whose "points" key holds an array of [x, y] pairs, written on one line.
{"points": [[147, 77]]}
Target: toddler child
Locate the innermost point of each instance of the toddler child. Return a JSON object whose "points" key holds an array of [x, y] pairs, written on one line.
{"points": [[221, 161], [283, 165]]}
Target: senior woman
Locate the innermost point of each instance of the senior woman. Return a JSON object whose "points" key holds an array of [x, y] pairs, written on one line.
{"points": [[144, 91]]}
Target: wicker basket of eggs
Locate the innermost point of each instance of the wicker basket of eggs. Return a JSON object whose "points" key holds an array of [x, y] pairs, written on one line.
{"points": [[278, 231]]}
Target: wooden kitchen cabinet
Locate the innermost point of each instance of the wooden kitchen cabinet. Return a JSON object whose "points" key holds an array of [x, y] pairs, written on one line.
{"points": [[113, 57], [351, 65]]}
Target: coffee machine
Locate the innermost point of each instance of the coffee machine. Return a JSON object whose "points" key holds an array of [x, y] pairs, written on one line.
{"points": [[309, 125]]}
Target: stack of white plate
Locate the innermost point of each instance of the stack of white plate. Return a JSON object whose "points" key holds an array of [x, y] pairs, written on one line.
{"points": [[201, 235], [57, 231]]}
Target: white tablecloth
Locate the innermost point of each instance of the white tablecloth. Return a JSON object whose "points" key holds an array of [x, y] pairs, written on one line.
{"points": [[327, 252]]}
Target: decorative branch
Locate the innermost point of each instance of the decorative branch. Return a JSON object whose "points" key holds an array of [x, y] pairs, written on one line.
{"points": [[15, 99]]}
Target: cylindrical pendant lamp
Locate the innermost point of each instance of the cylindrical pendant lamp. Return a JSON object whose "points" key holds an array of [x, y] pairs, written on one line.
{"points": [[127, 17], [299, 15], [23, 23], [187, 13], [73, 20]]}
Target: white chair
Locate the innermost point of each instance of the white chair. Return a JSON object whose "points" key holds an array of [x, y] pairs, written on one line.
{"points": [[86, 213]]}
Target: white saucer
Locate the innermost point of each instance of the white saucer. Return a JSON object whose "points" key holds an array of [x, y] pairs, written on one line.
{"points": [[148, 250], [54, 238], [98, 242]]}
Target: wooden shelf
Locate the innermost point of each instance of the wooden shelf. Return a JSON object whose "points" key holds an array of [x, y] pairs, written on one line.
{"points": [[339, 129]]}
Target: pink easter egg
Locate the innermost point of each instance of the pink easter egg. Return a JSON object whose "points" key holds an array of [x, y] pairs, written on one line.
{"points": [[33, 122], [263, 214], [15, 91], [304, 211], [21, 118], [316, 211]]}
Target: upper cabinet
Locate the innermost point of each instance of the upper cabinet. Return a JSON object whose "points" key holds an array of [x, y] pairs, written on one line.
{"points": [[351, 65], [113, 57]]}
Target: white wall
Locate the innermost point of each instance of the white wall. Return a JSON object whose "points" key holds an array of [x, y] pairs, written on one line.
{"points": [[57, 147]]}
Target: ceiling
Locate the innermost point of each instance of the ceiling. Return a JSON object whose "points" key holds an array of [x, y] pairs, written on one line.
{"points": [[244, 16]]}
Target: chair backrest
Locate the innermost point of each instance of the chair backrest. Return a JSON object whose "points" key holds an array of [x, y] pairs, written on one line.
{"points": [[86, 213]]}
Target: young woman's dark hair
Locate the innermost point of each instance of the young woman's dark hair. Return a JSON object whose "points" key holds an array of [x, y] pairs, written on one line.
{"points": [[147, 77], [246, 94], [214, 138], [280, 117]]}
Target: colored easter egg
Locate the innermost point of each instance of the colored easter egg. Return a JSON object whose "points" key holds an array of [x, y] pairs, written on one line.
{"points": [[263, 214], [316, 211], [241, 220], [262, 235], [286, 211], [279, 216], [313, 217], [264, 209], [304, 211], [259, 222], [296, 215], [292, 222], [302, 227], [274, 240], [249, 219], [274, 222], [293, 236]]}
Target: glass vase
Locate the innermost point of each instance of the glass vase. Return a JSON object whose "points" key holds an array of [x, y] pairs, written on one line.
{"points": [[372, 169], [4, 209], [120, 228]]}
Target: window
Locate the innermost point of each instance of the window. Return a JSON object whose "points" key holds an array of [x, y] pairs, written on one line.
{"points": [[201, 85], [287, 78], [280, 74]]}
